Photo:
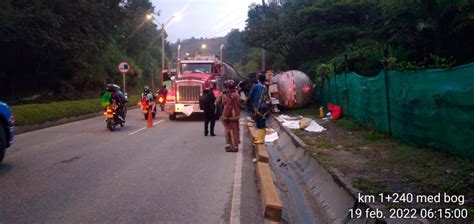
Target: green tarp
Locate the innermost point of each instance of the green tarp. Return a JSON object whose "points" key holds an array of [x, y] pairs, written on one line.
{"points": [[433, 108]]}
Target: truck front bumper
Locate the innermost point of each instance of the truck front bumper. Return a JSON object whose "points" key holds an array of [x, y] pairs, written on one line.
{"points": [[171, 108]]}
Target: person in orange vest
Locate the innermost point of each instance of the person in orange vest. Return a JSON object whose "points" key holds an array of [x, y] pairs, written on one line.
{"points": [[230, 115]]}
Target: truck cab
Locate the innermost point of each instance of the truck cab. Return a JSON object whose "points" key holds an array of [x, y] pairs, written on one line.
{"points": [[193, 76]]}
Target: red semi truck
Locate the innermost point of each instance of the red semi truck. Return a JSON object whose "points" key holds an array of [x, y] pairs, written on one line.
{"points": [[193, 76]]}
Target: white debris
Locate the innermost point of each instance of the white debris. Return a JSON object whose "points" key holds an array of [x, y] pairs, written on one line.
{"points": [[314, 127], [188, 110], [304, 123], [294, 123], [271, 135]]}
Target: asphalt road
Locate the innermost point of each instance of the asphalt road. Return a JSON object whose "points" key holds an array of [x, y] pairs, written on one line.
{"points": [[82, 173]]}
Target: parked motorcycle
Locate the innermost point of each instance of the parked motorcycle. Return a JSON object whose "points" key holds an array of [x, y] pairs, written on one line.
{"points": [[146, 107], [112, 118]]}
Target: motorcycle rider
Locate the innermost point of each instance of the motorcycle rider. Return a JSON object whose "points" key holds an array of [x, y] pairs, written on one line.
{"points": [[119, 98], [147, 94], [162, 92]]}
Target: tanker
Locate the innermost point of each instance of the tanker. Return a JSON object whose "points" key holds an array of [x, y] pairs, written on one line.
{"points": [[294, 89]]}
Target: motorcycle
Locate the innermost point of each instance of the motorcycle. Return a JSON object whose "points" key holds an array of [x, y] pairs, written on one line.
{"points": [[112, 118], [146, 107]]}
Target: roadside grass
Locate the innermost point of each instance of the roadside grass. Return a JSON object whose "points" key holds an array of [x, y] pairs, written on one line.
{"points": [[30, 114], [311, 111], [373, 136], [370, 186], [349, 125]]}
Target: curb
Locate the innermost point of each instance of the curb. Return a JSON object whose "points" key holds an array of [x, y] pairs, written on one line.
{"points": [[328, 188], [261, 153], [271, 204], [272, 208], [27, 128]]}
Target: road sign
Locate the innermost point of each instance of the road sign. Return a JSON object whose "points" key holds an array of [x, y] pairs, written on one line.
{"points": [[123, 67]]}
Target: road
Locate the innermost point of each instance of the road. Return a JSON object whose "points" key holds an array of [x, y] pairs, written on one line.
{"points": [[82, 173]]}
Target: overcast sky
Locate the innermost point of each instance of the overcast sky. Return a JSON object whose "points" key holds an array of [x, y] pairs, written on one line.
{"points": [[202, 18]]}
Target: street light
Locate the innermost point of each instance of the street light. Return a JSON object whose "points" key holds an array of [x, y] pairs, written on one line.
{"points": [[178, 17], [203, 46]]}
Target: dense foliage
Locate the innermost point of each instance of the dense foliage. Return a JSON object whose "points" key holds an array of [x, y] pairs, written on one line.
{"points": [[314, 35], [72, 47]]}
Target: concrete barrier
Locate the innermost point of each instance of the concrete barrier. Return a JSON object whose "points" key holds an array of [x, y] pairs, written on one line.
{"points": [[252, 131], [261, 153], [271, 205], [328, 189]]}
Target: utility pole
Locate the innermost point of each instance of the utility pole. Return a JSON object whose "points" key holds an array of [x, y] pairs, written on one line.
{"points": [[263, 60], [162, 52], [152, 79]]}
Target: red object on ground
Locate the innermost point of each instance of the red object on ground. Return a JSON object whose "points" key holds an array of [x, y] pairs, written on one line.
{"points": [[336, 111], [149, 120]]}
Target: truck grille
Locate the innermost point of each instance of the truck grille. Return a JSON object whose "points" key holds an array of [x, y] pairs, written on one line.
{"points": [[189, 93]]}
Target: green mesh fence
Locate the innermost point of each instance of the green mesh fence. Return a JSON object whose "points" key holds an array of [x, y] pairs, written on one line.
{"points": [[433, 108]]}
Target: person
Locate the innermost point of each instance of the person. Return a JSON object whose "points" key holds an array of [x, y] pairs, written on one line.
{"points": [[161, 94], [119, 98], [209, 109], [162, 91], [230, 115], [147, 94], [257, 97]]}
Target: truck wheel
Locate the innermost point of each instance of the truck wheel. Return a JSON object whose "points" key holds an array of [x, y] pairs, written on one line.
{"points": [[3, 143], [172, 117]]}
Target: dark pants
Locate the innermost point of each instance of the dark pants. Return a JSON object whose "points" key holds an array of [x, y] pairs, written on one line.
{"points": [[260, 122], [122, 111], [209, 117]]}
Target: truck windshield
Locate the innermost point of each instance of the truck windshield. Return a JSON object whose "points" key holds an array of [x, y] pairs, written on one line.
{"points": [[196, 68]]}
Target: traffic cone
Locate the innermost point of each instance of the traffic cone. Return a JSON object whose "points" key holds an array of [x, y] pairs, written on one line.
{"points": [[149, 120]]}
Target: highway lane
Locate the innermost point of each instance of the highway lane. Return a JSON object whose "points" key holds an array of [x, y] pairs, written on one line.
{"points": [[82, 173]]}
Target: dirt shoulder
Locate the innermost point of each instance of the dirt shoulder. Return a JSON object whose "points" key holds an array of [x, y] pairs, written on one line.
{"points": [[374, 163]]}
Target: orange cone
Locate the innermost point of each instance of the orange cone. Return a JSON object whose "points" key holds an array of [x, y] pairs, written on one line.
{"points": [[149, 120]]}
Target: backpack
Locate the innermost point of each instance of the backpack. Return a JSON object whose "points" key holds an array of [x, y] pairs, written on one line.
{"points": [[105, 99]]}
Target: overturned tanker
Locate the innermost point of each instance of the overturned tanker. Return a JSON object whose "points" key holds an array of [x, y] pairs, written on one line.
{"points": [[294, 89]]}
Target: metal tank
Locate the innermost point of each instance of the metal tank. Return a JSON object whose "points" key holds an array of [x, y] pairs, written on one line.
{"points": [[231, 73], [295, 89]]}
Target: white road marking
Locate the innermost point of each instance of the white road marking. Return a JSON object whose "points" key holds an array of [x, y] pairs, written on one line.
{"points": [[158, 122], [141, 129], [236, 192]]}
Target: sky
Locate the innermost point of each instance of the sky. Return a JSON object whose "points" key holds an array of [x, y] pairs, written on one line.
{"points": [[201, 18]]}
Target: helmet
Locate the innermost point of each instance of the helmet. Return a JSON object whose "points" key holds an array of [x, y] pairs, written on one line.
{"points": [[112, 87], [230, 84], [146, 89]]}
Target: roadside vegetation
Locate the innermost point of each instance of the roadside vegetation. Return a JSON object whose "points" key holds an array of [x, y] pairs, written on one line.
{"points": [[314, 36], [30, 114], [71, 48]]}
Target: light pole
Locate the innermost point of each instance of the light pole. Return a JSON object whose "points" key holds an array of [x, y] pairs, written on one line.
{"points": [[222, 56], [149, 17], [179, 48]]}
